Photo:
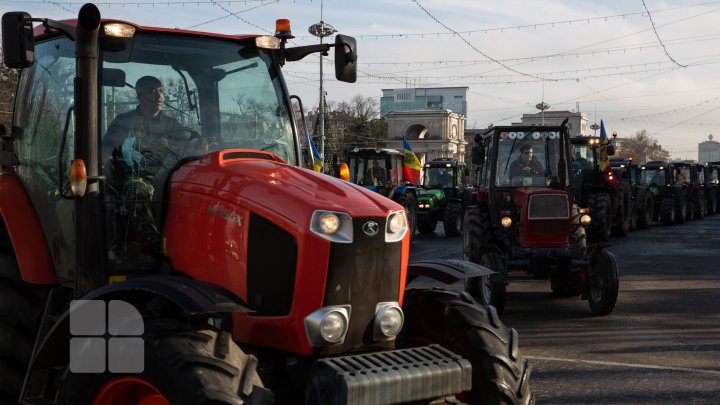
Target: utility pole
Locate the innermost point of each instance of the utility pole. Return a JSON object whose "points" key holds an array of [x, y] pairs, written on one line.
{"points": [[322, 30]]}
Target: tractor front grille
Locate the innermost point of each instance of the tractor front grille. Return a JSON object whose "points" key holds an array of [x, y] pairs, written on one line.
{"points": [[548, 206], [547, 227], [394, 376]]}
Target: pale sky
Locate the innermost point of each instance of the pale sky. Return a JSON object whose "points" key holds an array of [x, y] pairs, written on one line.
{"points": [[604, 56]]}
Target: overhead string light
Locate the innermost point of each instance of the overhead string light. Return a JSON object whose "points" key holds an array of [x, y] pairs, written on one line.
{"points": [[473, 47], [658, 36], [232, 14], [552, 24]]}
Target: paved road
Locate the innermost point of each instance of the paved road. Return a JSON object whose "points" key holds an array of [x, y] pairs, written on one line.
{"points": [[661, 345]]}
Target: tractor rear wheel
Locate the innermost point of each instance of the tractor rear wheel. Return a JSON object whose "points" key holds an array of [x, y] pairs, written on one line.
{"points": [[453, 221], [21, 307], [500, 374], [604, 284], [477, 233], [601, 225], [202, 366], [426, 227], [408, 202], [645, 213], [668, 211]]}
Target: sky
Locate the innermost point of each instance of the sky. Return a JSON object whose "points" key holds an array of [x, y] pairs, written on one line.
{"points": [[635, 64]]}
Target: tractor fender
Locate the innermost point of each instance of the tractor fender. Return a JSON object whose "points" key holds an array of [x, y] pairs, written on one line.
{"points": [[446, 271], [26, 234], [193, 297]]}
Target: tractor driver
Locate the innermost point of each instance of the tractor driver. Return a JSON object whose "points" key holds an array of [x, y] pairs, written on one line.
{"points": [[135, 147], [526, 165]]}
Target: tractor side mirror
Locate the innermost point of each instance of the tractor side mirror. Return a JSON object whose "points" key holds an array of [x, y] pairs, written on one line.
{"points": [[17, 40], [345, 58]]}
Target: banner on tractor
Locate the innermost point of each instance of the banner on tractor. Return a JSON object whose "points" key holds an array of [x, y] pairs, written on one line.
{"points": [[411, 165], [317, 161]]}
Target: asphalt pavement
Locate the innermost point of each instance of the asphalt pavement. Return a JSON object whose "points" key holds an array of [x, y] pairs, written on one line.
{"points": [[661, 344]]}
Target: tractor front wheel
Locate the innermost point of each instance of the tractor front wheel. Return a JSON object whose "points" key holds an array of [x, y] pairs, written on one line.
{"points": [[500, 374], [426, 227], [202, 366], [668, 212], [645, 214], [477, 233], [604, 284], [453, 221]]}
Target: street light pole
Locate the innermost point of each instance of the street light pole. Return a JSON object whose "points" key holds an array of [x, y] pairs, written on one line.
{"points": [[542, 106], [322, 30]]}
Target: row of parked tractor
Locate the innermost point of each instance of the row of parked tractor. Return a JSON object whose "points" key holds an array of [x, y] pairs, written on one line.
{"points": [[549, 214]]}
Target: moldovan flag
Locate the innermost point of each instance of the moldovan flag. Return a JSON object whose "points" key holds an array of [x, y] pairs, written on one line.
{"points": [[317, 161], [411, 166]]}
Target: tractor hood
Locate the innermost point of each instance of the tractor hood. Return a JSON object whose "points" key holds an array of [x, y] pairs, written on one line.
{"points": [[264, 180], [437, 193]]}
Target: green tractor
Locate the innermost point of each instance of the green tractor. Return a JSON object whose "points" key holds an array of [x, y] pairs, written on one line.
{"points": [[381, 170], [441, 196]]}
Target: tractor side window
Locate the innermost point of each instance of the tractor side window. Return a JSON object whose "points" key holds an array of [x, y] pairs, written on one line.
{"points": [[43, 102]]}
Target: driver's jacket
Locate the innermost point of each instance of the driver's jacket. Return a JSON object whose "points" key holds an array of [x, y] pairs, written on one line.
{"points": [[139, 142]]}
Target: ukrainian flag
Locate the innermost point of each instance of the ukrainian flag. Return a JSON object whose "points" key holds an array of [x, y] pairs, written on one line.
{"points": [[317, 161]]}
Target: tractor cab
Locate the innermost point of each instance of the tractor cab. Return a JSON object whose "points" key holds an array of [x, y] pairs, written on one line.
{"points": [[442, 185]]}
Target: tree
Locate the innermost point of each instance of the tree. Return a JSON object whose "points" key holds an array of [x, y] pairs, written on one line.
{"points": [[641, 146], [8, 86]]}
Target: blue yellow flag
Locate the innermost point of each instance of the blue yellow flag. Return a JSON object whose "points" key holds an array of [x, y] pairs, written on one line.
{"points": [[317, 161], [604, 161], [411, 165]]}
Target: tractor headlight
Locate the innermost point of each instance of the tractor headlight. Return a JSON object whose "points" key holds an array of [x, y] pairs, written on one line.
{"points": [[396, 226], [389, 320], [333, 226], [327, 325], [506, 222], [585, 220]]}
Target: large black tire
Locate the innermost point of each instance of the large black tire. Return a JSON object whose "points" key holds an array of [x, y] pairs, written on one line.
{"points": [[426, 227], [477, 233], [699, 205], [668, 210], [21, 306], [621, 227], [565, 282], [634, 219], [408, 202], [604, 284], [500, 374], [645, 212], [453, 221], [202, 366], [601, 225], [711, 198], [681, 209]]}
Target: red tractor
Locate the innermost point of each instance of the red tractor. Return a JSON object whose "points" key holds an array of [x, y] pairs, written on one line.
{"points": [[520, 215], [268, 283]]}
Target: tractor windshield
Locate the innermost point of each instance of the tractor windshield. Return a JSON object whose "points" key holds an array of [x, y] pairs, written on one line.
{"points": [[438, 177], [369, 170], [527, 158], [582, 159], [652, 177], [216, 94]]}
